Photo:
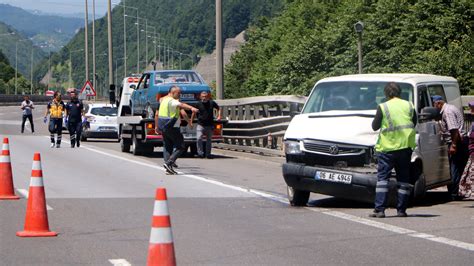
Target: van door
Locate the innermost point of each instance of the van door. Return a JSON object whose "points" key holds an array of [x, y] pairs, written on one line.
{"points": [[139, 94], [432, 148]]}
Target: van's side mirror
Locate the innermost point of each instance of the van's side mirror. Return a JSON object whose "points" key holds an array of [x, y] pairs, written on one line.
{"points": [[429, 113]]}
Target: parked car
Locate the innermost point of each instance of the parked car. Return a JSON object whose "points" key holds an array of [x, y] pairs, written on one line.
{"points": [[101, 122], [329, 147]]}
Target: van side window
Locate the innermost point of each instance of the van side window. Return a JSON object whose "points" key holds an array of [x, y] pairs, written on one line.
{"points": [[423, 99], [436, 89]]}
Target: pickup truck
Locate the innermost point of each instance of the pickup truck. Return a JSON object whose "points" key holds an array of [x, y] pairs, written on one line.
{"points": [[136, 117]]}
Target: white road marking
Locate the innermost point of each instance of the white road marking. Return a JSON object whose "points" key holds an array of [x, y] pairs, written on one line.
{"points": [[337, 214], [120, 262], [24, 193]]}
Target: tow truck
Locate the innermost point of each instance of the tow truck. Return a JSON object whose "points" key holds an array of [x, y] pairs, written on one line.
{"points": [[138, 104]]}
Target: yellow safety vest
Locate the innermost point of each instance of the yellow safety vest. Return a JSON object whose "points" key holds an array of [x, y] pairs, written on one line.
{"points": [[166, 110], [56, 109], [397, 131]]}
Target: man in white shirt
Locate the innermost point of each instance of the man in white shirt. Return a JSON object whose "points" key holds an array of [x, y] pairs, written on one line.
{"points": [[27, 107]]}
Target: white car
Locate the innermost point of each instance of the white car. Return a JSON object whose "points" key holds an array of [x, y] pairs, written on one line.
{"points": [[101, 122]]}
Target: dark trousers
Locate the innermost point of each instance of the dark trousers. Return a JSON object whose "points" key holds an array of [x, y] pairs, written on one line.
{"points": [[75, 130], [400, 160], [173, 144], [30, 118], [457, 163], [56, 127]]}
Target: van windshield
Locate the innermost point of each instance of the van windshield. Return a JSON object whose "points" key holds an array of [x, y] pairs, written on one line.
{"points": [[351, 96], [176, 77]]}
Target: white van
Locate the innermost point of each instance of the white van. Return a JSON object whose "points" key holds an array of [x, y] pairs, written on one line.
{"points": [[329, 147]]}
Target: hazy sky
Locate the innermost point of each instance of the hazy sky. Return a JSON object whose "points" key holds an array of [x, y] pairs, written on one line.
{"points": [[60, 6]]}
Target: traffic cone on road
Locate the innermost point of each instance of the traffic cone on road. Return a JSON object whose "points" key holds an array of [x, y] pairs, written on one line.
{"points": [[36, 221], [161, 249], [7, 191]]}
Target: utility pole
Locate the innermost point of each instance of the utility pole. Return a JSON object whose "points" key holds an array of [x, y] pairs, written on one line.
{"points": [[93, 42], [31, 73], [109, 34], [124, 42], [86, 41], [146, 43], [220, 54], [138, 45]]}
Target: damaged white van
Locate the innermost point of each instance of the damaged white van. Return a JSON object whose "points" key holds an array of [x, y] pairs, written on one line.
{"points": [[329, 147]]}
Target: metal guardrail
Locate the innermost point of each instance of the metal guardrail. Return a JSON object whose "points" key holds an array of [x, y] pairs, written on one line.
{"points": [[258, 124], [10, 100]]}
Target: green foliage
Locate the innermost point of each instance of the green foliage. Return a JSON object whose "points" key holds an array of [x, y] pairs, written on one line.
{"points": [[187, 26], [7, 77], [311, 40], [8, 46]]}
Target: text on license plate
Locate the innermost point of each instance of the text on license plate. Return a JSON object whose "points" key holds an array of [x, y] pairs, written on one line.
{"points": [[334, 177], [187, 96]]}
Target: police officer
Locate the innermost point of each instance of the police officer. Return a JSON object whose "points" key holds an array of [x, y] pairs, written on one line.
{"points": [[396, 119], [168, 122], [55, 109], [74, 111]]}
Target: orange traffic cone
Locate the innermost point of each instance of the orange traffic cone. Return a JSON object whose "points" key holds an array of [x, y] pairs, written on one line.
{"points": [[161, 249], [6, 176], [36, 221]]}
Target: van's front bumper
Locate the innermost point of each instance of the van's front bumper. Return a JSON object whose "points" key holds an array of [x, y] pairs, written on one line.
{"points": [[361, 188]]}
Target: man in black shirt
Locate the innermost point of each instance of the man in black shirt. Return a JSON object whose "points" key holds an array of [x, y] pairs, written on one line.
{"points": [[205, 125], [75, 110]]}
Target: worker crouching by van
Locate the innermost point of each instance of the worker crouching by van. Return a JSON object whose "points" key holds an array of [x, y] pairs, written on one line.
{"points": [[396, 119]]}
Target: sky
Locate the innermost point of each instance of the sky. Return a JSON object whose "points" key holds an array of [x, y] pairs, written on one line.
{"points": [[60, 7]]}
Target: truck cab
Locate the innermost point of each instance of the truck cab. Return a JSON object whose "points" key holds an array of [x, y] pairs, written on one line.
{"points": [[329, 147]]}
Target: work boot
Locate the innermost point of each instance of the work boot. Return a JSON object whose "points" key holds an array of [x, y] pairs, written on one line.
{"points": [[169, 168], [52, 145], [402, 214], [174, 165], [377, 214]]}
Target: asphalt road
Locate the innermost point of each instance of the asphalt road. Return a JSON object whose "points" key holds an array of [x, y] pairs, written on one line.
{"points": [[231, 210]]}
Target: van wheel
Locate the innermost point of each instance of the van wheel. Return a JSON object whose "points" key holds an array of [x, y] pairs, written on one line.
{"points": [[124, 145], [419, 190], [297, 197]]}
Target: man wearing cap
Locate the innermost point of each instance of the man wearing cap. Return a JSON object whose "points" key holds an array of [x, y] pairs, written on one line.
{"points": [[396, 119], [452, 129]]}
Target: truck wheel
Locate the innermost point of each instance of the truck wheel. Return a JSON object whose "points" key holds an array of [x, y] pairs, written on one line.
{"points": [[297, 197], [124, 145], [136, 146]]}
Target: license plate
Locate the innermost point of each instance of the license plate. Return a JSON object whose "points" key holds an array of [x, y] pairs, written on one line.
{"points": [[333, 177], [187, 96]]}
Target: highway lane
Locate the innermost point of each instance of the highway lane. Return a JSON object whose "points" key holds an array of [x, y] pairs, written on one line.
{"points": [[102, 203]]}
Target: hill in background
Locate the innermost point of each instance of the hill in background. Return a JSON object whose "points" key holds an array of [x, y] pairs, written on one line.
{"points": [[311, 40], [42, 29], [188, 26], [7, 78], [8, 42]]}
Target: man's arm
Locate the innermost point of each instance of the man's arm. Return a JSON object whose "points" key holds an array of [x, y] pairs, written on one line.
{"points": [[193, 115], [157, 117], [377, 122], [184, 115], [32, 106], [47, 110], [219, 111], [188, 107]]}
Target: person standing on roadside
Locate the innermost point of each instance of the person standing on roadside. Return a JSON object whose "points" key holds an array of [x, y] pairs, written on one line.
{"points": [[55, 109], [205, 126], [27, 107], [467, 178], [168, 122], [452, 129], [396, 119], [74, 112]]}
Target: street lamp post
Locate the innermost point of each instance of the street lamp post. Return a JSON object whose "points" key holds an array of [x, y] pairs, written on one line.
{"points": [[31, 73], [86, 40], [93, 42], [124, 43], [359, 28], [16, 64], [220, 52]]}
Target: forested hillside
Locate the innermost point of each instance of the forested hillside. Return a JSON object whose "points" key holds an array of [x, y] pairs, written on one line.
{"points": [[311, 40], [7, 77], [8, 42], [187, 25]]}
